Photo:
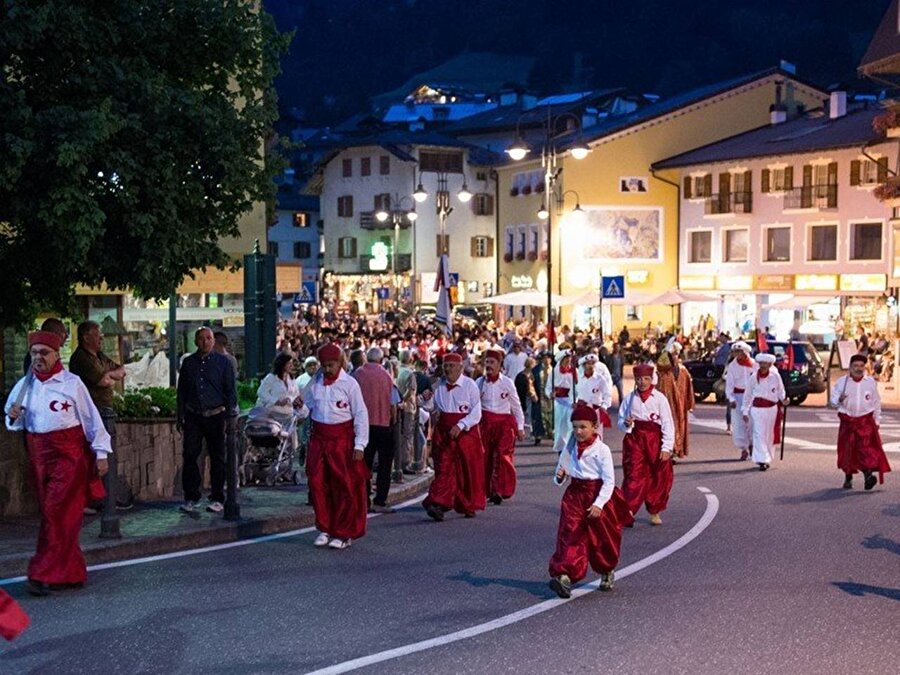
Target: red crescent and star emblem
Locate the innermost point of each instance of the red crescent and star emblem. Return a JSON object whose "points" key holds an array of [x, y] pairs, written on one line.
{"points": [[654, 417], [57, 406], [868, 397], [464, 407], [342, 404], [504, 395]]}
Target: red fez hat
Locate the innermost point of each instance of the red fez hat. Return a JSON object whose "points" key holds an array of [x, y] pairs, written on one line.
{"points": [[858, 357], [45, 337], [329, 352], [453, 357], [583, 413], [643, 370], [494, 354]]}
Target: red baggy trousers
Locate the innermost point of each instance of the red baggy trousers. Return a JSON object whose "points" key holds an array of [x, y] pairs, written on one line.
{"points": [[581, 540], [859, 446], [337, 482], [498, 436], [13, 619], [458, 468], [648, 480], [60, 472]]}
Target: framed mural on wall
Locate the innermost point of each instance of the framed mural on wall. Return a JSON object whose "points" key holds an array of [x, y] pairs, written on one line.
{"points": [[616, 233]]}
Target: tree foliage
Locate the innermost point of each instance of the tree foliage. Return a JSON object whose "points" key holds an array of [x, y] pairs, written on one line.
{"points": [[131, 139]]}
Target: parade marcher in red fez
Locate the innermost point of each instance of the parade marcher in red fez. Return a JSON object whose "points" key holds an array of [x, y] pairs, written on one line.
{"points": [[335, 468], [13, 619], [593, 510], [763, 408], [649, 430], [457, 451], [738, 373], [502, 421], [859, 441], [60, 420], [563, 381], [594, 388]]}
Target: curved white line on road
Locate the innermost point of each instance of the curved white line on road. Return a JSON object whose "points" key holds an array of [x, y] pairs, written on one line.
{"points": [[208, 549], [712, 508]]}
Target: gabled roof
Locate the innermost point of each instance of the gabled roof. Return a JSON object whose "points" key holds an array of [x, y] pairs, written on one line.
{"points": [[811, 133], [883, 54], [290, 200]]}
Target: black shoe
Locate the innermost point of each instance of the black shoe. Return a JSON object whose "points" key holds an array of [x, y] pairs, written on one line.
{"points": [[435, 512], [496, 499], [66, 587], [561, 585], [37, 588], [870, 480], [537, 441], [848, 481], [763, 466], [469, 514]]}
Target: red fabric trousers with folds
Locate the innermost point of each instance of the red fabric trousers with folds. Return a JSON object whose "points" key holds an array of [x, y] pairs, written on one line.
{"points": [[458, 468], [648, 480], [337, 482], [583, 541], [498, 436], [859, 446]]}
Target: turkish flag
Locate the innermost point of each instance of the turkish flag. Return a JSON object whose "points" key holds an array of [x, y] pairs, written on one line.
{"points": [[789, 363], [13, 619], [551, 335], [761, 345]]}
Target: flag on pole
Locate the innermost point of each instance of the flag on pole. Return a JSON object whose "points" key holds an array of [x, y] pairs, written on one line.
{"points": [[444, 315], [551, 335], [761, 345]]}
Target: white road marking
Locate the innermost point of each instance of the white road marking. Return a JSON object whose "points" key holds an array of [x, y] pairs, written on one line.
{"points": [[208, 549], [712, 508], [802, 442]]}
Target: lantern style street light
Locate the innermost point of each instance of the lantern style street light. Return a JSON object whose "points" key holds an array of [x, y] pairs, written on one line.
{"points": [[397, 215]]}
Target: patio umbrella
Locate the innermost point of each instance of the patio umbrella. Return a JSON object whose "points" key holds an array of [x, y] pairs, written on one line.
{"points": [[527, 298], [799, 302]]}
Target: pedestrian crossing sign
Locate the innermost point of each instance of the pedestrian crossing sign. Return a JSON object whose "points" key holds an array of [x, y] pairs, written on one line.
{"points": [[309, 294], [613, 287]]}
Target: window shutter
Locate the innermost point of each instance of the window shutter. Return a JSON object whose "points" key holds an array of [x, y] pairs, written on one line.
{"points": [[855, 170], [765, 180], [687, 187], [832, 173], [724, 183], [489, 203], [807, 175], [473, 247], [707, 185], [748, 181], [490, 246], [882, 169], [789, 178], [352, 247]]}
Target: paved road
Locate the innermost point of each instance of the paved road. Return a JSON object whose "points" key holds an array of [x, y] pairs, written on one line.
{"points": [[779, 572]]}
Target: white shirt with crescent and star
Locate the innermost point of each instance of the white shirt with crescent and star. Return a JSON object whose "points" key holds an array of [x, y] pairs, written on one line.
{"points": [[62, 402], [462, 397], [501, 397], [594, 390], [337, 403], [861, 399], [655, 409]]}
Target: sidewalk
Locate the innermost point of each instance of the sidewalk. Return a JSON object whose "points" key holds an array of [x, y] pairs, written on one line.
{"points": [[158, 527]]}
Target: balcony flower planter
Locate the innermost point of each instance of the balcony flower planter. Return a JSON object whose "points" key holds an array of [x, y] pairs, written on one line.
{"points": [[507, 257], [526, 190], [539, 187], [889, 192], [888, 123], [514, 192], [520, 255], [532, 256], [544, 256]]}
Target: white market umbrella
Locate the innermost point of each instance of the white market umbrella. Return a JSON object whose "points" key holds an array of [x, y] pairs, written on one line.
{"points": [[799, 302], [527, 298], [592, 298], [678, 297]]}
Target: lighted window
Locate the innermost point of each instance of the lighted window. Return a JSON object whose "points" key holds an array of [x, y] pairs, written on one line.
{"points": [[778, 244], [700, 247], [737, 245]]}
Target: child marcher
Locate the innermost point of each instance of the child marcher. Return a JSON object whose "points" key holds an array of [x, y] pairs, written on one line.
{"points": [[593, 510]]}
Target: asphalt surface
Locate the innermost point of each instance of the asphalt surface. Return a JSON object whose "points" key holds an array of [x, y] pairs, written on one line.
{"points": [[790, 575]]}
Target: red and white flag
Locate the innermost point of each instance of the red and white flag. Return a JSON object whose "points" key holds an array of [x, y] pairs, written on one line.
{"points": [[444, 315]]}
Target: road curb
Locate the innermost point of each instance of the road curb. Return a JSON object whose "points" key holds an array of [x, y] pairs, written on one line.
{"points": [[110, 550]]}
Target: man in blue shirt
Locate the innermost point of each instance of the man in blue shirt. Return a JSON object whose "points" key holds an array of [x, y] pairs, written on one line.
{"points": [[206, 400]]}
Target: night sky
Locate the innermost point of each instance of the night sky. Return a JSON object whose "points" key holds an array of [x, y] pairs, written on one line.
{"points": [[345, 51]]}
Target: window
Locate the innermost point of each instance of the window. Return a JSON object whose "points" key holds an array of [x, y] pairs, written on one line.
{"points": [[301, 219], [345, 206], [700, 247], [778, 244], [534, 241], [866, 241], [510, 243], [365, 166], [822, 243], [443, 244], [302, 249], [321, 245], [348, 168], [698, 187], [737, 244], [440, 161], [383, 202], [778, 179], [347, 247], [632, 313], [482, 247], [521, 242], [483, 204], [384, 165], [867, 172], [272, 248]]}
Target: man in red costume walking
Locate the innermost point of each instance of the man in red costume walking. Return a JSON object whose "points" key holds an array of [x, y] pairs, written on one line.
{"points": [[859, 441], [593, 510], [335, 467], [502, 421], [646, 419], [456, 445], [13, 619], [59, 418]]}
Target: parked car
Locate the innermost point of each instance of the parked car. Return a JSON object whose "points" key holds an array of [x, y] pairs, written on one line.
{"points": [[425, 313], [477, 314], [808, 375]]}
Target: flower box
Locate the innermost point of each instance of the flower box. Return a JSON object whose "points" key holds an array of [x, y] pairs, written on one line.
{"points": [[888, 122], [888, 192], [532, 256], [520, 255], [508, 257], [544, 256], [514, 192], [526, 190]]}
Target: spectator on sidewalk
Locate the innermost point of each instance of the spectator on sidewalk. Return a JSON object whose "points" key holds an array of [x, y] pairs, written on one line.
{"points": [[411, 461], [206, 399], [514, 362], [377, 386]]}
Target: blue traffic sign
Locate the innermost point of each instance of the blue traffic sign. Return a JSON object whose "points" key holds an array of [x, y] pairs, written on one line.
{"points": [[613, 287], [309, 294], [454, 279], [384, 293]]}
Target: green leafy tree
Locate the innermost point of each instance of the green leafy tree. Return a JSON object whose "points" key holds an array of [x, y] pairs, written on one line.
{"points": [[131, 141]]}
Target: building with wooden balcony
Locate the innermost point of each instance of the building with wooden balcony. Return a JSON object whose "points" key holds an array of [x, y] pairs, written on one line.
{"points": [[788, 210]]}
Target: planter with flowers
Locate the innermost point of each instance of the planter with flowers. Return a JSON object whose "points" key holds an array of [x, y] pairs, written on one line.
{"points": [[544, 256], [889, 192], [526, 190], [507, 257], [514, 192], [888, 122], [532, 256], [520, 255]]}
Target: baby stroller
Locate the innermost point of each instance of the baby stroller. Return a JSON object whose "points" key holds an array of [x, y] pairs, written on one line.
{"points": [[270, 446]]}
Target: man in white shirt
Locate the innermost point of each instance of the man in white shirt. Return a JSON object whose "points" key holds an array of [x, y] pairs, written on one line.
{"points": [[457, 451], [335, 465], [559, 390], [646, 419], [738, 373], [859, 440], [595, 389], [502, 421], [59, 418], [514, 363], [763, 407]]}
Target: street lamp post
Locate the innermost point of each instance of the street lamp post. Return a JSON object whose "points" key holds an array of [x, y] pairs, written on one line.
{"points": [[397, 214]]}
